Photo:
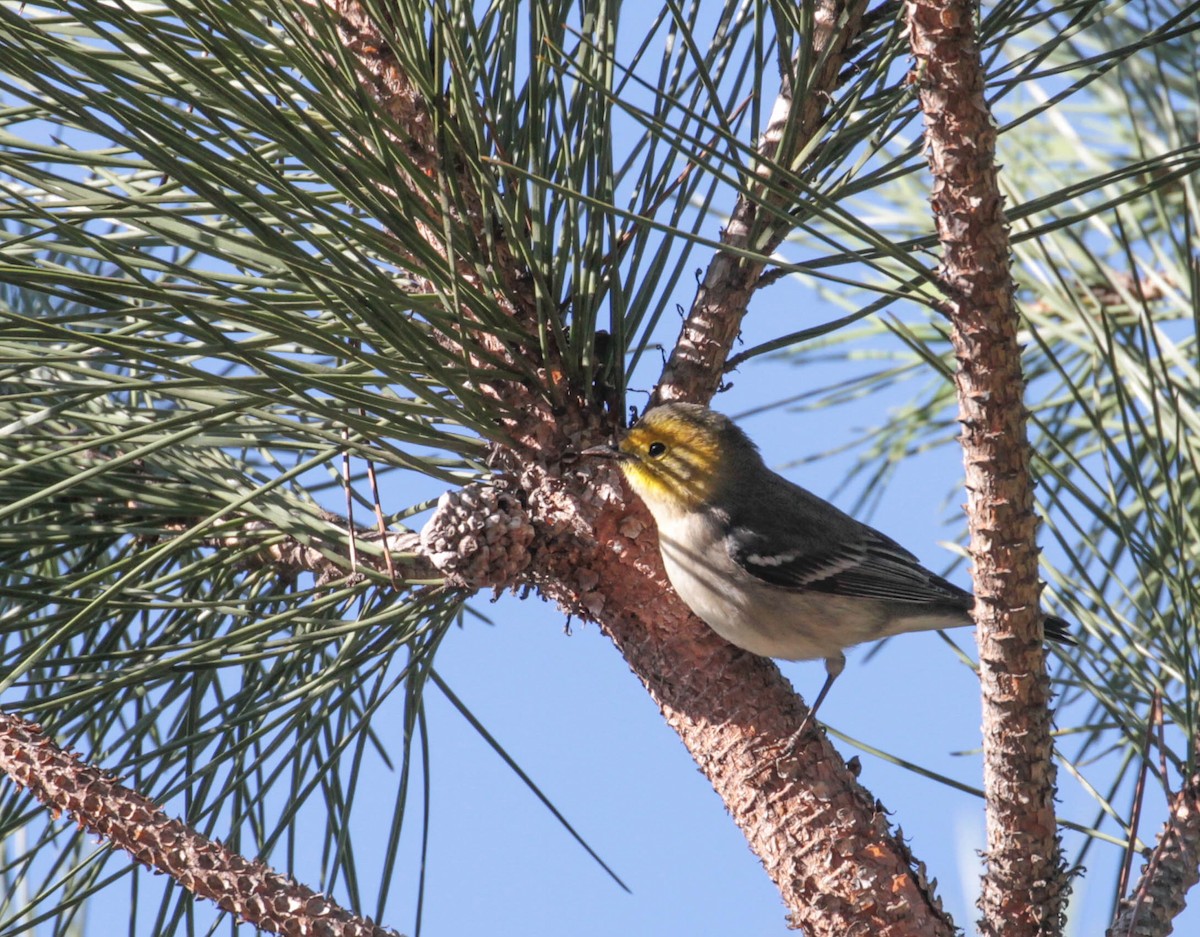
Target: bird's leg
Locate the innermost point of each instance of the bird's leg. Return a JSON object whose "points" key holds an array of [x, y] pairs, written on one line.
{"points": [[833, 669]]}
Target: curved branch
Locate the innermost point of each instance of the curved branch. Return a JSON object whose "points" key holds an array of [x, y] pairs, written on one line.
{"points": [[823, 839]]}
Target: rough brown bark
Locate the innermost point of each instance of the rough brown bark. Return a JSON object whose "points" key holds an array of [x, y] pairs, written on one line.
{"points": [[1160, 895], [248, 890], [1023, 890]]}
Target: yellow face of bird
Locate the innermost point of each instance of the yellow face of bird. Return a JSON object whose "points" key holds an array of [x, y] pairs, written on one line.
{"points": [[670, 458]]}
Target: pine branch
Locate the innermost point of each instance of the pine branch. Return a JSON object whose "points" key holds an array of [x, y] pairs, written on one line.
{"points": [[249, 890], [697, 362], [1024, 890], [1173, 870]]}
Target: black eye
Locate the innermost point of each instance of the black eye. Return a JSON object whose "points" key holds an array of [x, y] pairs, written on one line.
{"points": [[656, 449]]}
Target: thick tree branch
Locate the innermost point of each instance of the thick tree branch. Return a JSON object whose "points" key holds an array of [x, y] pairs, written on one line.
{"points": [[98, 803], [1173, 870], [1023, 889]]}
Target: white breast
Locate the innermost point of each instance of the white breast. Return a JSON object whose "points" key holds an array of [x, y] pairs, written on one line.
{"points": [[763, 619]]}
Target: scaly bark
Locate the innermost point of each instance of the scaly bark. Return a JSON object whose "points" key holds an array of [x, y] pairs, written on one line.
{"points": [[248, 890], [1160, 895], [1023, 890]]}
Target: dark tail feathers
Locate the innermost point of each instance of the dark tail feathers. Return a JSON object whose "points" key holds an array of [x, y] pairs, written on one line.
{"points": [[1058, 631]]}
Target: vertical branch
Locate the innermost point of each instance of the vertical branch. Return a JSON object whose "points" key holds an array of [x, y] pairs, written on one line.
{"points": [[696, 365], [1023, 888]]}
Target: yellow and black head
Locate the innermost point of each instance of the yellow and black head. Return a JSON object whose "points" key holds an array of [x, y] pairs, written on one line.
{"points": [[678, 455]]}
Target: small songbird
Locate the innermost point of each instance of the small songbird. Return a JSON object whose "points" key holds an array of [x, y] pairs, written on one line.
{"points": [[766, 564]]}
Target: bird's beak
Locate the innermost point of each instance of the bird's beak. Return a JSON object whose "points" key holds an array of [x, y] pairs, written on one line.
{"points": [[606, 451]]}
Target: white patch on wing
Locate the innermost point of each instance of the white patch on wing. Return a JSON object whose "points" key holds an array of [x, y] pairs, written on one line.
{"points": [[777, 559], [810, 568], [839, 565]]}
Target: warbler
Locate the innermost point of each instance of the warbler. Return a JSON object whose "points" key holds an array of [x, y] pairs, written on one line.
{"points": [[766, 564]]}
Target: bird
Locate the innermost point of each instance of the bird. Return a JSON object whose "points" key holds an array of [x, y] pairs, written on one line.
{"points": [[769, 566]]}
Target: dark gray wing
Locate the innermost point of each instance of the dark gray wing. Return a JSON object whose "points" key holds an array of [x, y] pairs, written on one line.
{"points": [[807, 544], [872, 567]]}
